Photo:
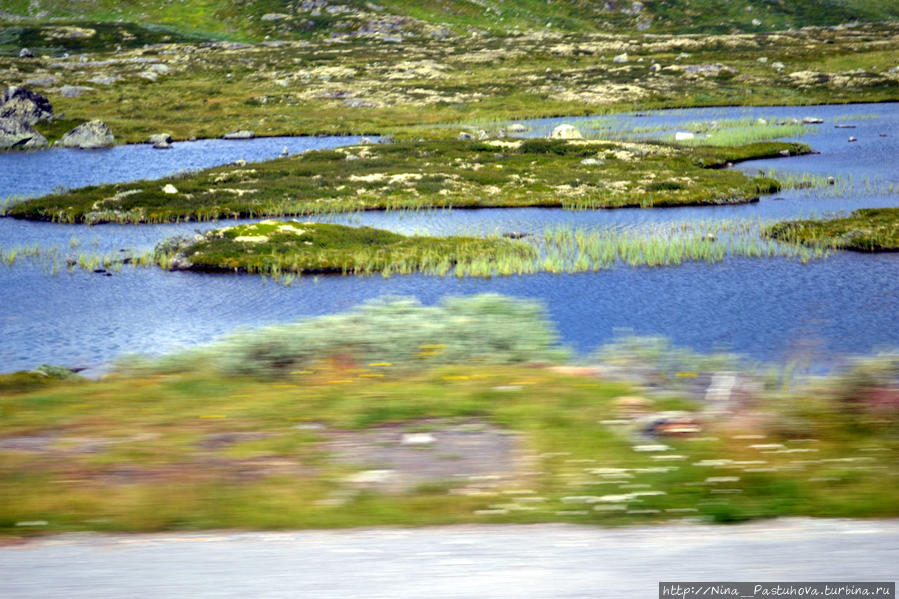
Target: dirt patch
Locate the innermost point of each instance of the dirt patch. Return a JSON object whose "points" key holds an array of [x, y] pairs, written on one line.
{"points": [[401, 457]]}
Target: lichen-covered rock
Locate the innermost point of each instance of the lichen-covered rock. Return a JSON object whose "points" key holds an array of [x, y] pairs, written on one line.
{"points": [[16, 134], [565, 131], [24, 105], [89, 135]]}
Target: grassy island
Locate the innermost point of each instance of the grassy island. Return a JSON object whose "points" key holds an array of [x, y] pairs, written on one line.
{"points": [[866, 230], [273, 247], [577, 174]]}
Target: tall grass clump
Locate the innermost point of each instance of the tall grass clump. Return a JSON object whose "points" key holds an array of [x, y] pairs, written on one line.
{"points": [[733, 133]]}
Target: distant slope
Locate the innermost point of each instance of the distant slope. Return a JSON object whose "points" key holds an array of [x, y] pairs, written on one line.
{"points": [[286, 19]]}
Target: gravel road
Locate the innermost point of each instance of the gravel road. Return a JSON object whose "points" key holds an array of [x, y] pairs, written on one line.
{"points": [[483, 562]]}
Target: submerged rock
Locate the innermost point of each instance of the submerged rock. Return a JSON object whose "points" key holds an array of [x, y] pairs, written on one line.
{"points": [[239, 134], [24, 105], [565, 131], [89, 135], [15, 134]]}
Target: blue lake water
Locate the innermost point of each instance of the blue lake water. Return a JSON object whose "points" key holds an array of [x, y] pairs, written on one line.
{"points": [[770, 309]]}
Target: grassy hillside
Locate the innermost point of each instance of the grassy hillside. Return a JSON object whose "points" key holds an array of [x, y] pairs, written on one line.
{"points": [[256, 19]]}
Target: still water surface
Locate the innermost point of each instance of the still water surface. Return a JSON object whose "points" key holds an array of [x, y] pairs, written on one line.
{"points": [[766, 308]]}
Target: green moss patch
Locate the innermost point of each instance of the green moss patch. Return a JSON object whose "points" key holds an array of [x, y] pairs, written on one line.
{"points": [[580, 174], [866, 230]]}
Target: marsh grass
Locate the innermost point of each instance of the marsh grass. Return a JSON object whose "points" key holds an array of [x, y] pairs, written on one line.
{"points": [[730, 133]]}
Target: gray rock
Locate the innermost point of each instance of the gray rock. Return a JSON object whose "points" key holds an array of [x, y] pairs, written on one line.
{"points": [[24, 105], [565, 131], [42, 81], [18, 135], [162, 145], [274, 16], [709, 69], [465, 135], [621, 58], [811, 120], [104, 79], [86, 136], [159, 138], [239, 134], [73, 91], [517, 128], [26, 53]]}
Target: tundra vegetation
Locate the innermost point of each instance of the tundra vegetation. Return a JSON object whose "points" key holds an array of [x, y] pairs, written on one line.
{"points": [[273, 247], [865, 230], [364, 84], [577, 174], [356, 419]]}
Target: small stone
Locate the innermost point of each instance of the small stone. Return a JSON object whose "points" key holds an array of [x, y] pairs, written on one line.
{"points": [[621, 58], [852, 139], [169, 188], [239, 134], [811, 120], [683, 136], [26, 53], [418, 439], [158, 138], [371, 476], [651, 447]]}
